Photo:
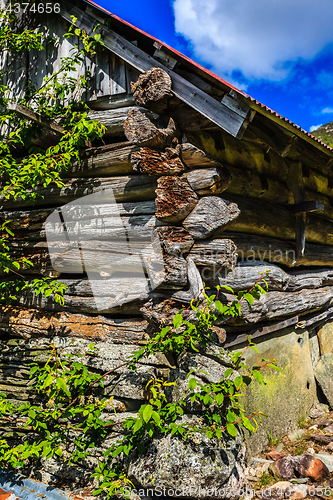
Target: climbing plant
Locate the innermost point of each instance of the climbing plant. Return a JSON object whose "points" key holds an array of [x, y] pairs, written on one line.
{"points": [[69, 422], [57, 99]]}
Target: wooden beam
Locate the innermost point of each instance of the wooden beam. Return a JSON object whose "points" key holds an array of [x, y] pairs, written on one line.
{"points": [[229, 118], [305, 206], [36, 117]]}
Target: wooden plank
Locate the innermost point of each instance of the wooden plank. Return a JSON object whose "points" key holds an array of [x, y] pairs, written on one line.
{"points": [[305, 206], [219, 113], [117, 75]]}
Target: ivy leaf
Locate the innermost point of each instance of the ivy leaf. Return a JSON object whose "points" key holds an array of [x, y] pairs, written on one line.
{"points": [[258, 376], [156, 417], [232, 430], [147, 413], [192, 384], [138, 424], [177, 320]]}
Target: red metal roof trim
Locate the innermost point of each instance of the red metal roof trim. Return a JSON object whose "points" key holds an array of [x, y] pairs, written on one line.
{"points": [[210, 73]]}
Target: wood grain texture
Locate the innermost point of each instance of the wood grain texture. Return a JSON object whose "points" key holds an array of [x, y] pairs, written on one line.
{"points": [[125, 188], [208, 180], [26, 323], [144, 128], [282, 252], [210, 214]]}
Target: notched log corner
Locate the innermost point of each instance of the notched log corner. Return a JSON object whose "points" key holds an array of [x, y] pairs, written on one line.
{"points": [[152, 162], [153, 90], [175, 199], [144, 128], [210, 214]]}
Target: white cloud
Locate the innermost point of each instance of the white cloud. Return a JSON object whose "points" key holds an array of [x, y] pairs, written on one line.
{"points": [[260, 38], [327, 111], [314, 127]]}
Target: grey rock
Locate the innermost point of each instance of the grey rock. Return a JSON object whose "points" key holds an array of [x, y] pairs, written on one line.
{"points": [[319, 410], [324, 375], [296, 435], [327, 459], [197, 466]]}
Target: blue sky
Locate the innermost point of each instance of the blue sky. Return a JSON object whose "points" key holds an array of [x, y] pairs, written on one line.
{"points": [[278, 51]]}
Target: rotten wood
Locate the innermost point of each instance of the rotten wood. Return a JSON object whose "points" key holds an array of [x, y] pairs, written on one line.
{"points": [[175, 199], [144, 128], [152, 162], [175, 240], [153, 90], [210, 214], [26, 323]]}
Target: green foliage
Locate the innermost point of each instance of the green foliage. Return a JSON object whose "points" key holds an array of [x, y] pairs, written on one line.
{"points": [[69, 422], [24, 179]]}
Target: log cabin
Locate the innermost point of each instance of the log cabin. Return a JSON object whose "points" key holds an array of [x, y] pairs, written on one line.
{"points": [[197, 174]]}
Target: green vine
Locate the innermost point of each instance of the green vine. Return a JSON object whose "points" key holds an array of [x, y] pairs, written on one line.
{"points": [[21, 178], [69, 423]]}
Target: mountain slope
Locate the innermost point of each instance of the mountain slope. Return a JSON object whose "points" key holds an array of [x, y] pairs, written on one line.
{"points": [[325, 133]]}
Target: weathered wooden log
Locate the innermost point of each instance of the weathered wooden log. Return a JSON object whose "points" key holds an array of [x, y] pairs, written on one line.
{"points": [[194, 157], [267, 186], [126, 188], [263, 218], [210, 214], [145, 128], [153, 90], [175, 199], [33, 220], [152, 162], [112, 119], [166, 271], [252, 248], [246, 274], [218, 254], [276, 305], [175, 240], [28, 323], [208, 180], [109, 160]]}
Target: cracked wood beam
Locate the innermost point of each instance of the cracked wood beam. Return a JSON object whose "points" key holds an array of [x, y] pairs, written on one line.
{"points": [[231, 115]]}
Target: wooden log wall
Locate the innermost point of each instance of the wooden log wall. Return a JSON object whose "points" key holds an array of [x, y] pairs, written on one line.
{"points": [[221, 216]]}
